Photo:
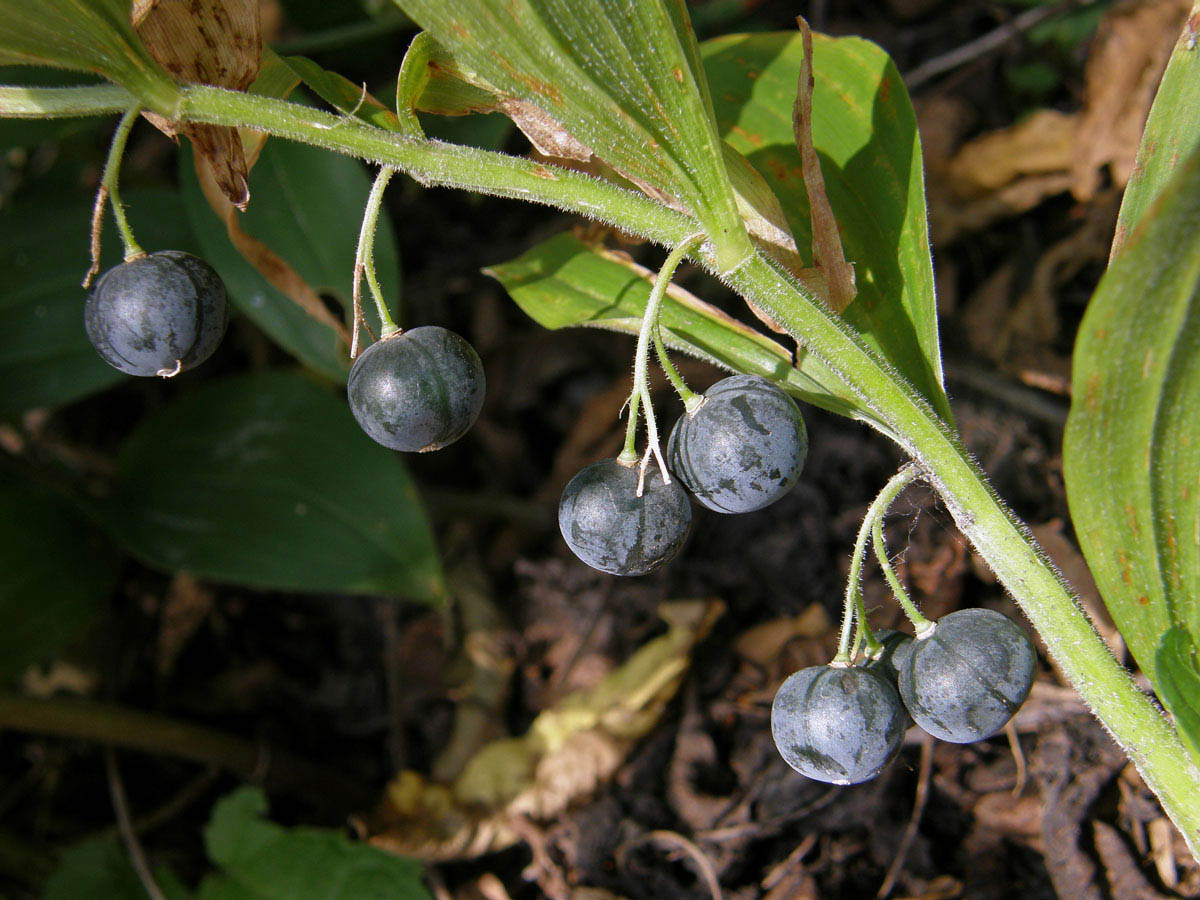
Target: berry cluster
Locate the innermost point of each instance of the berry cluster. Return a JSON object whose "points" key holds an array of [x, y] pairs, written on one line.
{"points": [[961, 681], [740, 448]]}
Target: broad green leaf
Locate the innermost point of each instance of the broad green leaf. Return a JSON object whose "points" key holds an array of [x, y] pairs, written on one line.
{"points": [[264, 861], [45, 357], [89, 36], [865, 134], [1172, 133], [619, 77], [306, 205], [99, 869], [1179, 685], [1131, 453], [564, 282], [55, 571], [266, 480]]}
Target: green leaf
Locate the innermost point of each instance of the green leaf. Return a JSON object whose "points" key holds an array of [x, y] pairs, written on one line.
{"points": [[98, 869], [1131, 453], [89, 36], [564, 282], [57, 570], [865, 134], [1172, 133], [306, 205], [621, 78], [264, 861], [266, 480], [45, 357], [1179, 685]]}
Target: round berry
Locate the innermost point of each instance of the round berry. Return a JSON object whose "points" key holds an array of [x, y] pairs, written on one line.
{"points": [[963, 681], [608, 526], [884, 662], [159, 314], [418, 390], [840, 725], [742, 448]]}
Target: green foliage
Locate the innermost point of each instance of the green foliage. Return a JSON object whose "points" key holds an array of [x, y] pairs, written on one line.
{"points": [[1178, 664], [1172, 133], [564, 282], [306, 207], [260, 860], [1131, 452], [98, 869], [55, 571], [865, 134], [45, 357], [266, 480], [623, 80], [85, 35], [255, 859]]}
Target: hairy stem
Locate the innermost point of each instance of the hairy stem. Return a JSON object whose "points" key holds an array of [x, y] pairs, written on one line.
{"points": [[921, 624], [108, 183], [364, 262], [1134, 720], [854, 604]]}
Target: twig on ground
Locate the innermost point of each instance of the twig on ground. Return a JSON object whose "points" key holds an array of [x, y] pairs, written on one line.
{"points": [[914, 821], [125, 826]]}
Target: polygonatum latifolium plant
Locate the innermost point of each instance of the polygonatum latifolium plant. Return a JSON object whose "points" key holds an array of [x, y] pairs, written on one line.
{"points": [[626, 108]]}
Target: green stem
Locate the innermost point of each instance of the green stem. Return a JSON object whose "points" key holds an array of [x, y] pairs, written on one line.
{"points": [[889, 401], [641, 381], [629, 454], [365, 257], [689, 397], [112, 169], [921, 625], [854, 603]]}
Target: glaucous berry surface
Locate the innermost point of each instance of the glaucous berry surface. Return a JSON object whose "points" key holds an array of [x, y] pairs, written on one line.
{"points": [[608, 526], [418, 390], [742, 448], [159, 314], [967, 678], [840, 725], [883, 663]]}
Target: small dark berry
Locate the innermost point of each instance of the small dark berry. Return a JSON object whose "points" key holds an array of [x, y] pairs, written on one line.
{"points": [[884, 662], [742, 448], [608, 526], [417, 391], [839, 725], [966, 679], [159, 314]]}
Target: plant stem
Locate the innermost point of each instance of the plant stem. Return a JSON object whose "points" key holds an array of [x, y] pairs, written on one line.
{"points": [[629, 454], [854, 603], [886, 398], [689, 397], [364, 261], [108, 183], [641, 383], [921, 625]]}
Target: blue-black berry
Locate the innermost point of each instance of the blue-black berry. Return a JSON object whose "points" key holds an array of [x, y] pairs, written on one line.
{"points": [[966, 679], [840, 725], [417, 391], [159, 314], [742, 448], [608, 526]]}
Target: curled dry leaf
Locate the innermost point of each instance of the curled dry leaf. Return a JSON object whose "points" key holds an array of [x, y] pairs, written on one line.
{"points": [[827, 241], [273, 267], [1011, 170], [568, 751], [215, 42]]}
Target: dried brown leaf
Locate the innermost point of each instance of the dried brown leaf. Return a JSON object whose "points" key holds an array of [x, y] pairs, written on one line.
{"points": [[215, 42], [568, 751], [269, 264], [827, 241]]}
